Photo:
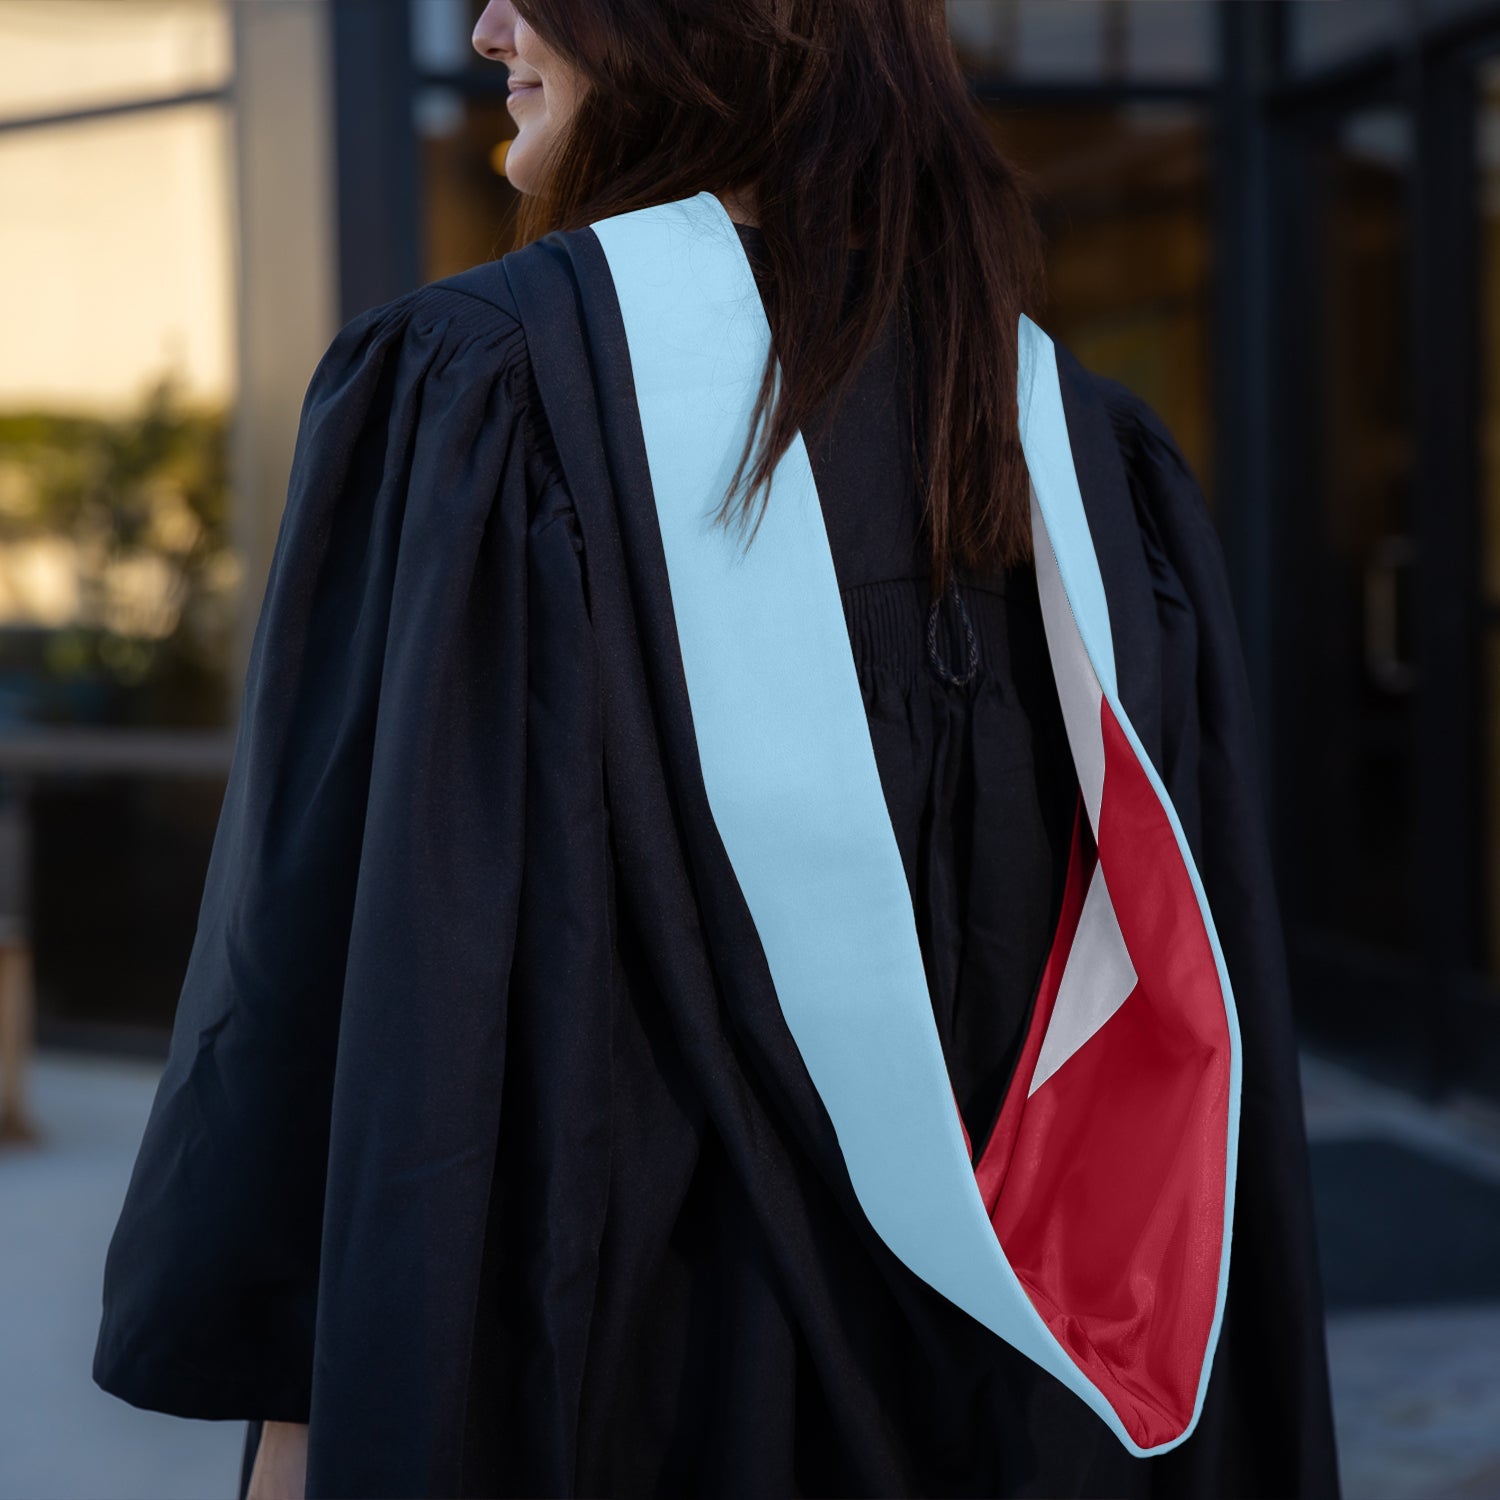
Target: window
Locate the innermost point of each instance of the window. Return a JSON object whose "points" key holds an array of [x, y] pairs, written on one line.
{"points": [[117, 574]]}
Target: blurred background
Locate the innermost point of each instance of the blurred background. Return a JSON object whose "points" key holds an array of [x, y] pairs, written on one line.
{"points": [[1278, 220]]}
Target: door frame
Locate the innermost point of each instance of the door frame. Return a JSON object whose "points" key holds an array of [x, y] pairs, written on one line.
{"points": [[1429, 1019]]}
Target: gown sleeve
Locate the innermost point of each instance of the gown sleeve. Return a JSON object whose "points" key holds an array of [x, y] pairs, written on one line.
{"points": [[1270, 1374], [344, 994]]}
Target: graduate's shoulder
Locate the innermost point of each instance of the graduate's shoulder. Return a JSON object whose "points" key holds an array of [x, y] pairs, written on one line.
{"points": [[1145, 441], [1138, 424], [1105, 405], [461, 312], [473, 318], [442, 369], [1148, 497], [514, 288], [464, 328]]}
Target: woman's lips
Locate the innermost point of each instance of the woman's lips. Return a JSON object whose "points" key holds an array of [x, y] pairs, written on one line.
{"points": [[517, 90]]}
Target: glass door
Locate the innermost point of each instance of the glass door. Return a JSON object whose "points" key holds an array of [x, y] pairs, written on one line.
{"points": [[1388, 618], [1478, 991], [1350, 685]]}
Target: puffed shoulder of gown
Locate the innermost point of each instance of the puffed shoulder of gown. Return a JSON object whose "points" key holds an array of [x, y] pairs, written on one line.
{"points": [[482, 1144]]}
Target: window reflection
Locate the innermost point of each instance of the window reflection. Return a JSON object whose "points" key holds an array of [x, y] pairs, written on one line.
{"points": [[1322, 33], [470, 204], [1124, 204], [1355, 774], [61, 55], [117, 578], [440, 35], [114, 259], [1487, 153], [1085, 40], [120, 589]]}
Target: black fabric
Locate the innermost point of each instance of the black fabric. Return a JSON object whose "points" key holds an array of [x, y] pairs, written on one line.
{"points": [[482, 1143], [253, 1430]]}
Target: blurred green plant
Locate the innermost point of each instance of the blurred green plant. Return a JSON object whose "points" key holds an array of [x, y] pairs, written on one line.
{"points": [[118, 581]]}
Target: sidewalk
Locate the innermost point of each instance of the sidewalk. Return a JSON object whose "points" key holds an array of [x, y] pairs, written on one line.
{"points": [[1416, 1385], [1416, 1372], [61, 1437]]}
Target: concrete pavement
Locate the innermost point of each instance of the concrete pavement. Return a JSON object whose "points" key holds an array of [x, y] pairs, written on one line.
{"points": [[1417, 1389]]}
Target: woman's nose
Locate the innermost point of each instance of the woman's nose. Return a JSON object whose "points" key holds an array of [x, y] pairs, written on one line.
{"points": [[495, 31]]}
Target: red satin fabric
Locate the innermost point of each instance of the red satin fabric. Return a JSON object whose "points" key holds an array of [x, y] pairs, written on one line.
{"points": [[1106, 1186]]}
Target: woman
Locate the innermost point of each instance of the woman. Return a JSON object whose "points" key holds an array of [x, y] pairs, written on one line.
{"points": [[499, 1151]]}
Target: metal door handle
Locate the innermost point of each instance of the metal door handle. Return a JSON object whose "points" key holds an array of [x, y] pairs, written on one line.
{"points": [[1383, 659]]}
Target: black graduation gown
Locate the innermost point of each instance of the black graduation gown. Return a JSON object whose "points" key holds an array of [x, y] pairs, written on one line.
{"points": [[482, 1142]]}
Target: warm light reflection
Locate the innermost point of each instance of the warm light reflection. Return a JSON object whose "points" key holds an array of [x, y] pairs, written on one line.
{"points": [[469, 210], [118, 576], [1124, 200], [40, 581], [59, 55], [115, 542], [115, 259]]}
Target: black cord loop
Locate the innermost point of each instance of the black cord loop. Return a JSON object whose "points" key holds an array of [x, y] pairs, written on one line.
{"points": [[938, 665]]}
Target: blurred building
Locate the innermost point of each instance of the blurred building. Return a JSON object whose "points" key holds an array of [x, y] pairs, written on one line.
{"points": [[1279, 222]]}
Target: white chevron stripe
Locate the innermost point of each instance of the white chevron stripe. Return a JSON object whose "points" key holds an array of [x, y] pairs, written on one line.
{"points": [[1078, 688], [1096, 982]]}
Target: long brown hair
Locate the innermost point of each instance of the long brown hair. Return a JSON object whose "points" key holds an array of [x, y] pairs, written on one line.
{"points": [[835, 118]]}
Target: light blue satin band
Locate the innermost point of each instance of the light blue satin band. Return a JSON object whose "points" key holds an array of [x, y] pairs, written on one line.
{"points": [[787, 762]]}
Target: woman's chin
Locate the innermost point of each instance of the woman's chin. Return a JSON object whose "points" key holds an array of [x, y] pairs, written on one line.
{"points": [[518, 166]]}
